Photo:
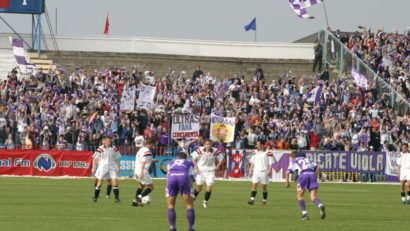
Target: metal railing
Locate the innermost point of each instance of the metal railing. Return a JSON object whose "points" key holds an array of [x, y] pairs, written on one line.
{"points": [[342, 59]]}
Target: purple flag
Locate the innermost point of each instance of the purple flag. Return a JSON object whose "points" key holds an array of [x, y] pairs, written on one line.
{"points": [[18, 51], [300, 6], [314, 95], [359, 79]]}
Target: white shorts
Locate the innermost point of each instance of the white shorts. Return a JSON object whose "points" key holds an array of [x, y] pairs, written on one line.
{"points": [[206, 176], [260, 177], [146, 180], [404, 174], [106, 172]]}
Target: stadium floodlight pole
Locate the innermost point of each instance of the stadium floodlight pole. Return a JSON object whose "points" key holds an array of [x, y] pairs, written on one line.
{"points": [[327, 20]]}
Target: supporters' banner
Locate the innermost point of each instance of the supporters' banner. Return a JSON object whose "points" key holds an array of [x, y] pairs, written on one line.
{"points": [[128, 99], [185, 126], [222, 129], [361, 162], [235, 163], [127, 166], [300, 6], [45, 163], [391, 164], [146, 97], [359, 79], [161, 166], [280, 165]]}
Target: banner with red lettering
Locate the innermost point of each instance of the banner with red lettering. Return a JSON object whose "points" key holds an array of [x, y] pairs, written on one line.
{"points": [[45, 163], [185, 126]]}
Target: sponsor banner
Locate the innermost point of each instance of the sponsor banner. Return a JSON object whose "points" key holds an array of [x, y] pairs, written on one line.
{"points": [[235, 163], [222, 129], [361, 162], [185, 126], [128, 99], [161, 165], [127, 166], [146, 97], [45, 163]]}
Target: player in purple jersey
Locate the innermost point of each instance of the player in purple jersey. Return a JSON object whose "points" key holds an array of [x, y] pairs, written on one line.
{"points": [[179, 180], [307, 179]]}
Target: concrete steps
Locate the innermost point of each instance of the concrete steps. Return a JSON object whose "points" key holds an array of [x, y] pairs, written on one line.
{"points": [[7, 62]]}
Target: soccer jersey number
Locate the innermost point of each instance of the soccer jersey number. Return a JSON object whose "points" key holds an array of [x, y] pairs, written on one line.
{"points": [[305, 164]]}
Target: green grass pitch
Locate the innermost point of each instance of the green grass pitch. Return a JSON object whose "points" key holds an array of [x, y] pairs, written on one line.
{"points": [[65, 204]]}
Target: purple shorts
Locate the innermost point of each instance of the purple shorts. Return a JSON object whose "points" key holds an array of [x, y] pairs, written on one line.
{"points": [[178, 183], [307, 180]]}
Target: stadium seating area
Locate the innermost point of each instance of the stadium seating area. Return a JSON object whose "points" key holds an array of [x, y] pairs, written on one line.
{"points": [[74, 110], [388, 54]]}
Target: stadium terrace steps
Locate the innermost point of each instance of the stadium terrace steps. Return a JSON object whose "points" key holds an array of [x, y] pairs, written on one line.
{"points": [[219, 66], [43, 62], [7, 62]]}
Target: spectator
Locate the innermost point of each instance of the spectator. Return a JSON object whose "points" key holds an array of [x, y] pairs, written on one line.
{"points": [[197, 73], [318, 49]]}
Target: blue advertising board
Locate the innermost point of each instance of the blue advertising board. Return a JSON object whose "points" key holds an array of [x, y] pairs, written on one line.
{"points": [[23, 6], [127, 165]]}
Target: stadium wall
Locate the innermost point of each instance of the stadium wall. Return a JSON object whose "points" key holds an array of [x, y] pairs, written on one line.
{"points": [[158, 54]]}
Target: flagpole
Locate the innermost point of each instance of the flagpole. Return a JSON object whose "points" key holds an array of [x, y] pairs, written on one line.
{"points": [[255, 37], [324, 8]]}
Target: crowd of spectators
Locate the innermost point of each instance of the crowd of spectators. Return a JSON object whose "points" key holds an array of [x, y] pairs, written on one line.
{"points": [[75, 110], [387, 54]]}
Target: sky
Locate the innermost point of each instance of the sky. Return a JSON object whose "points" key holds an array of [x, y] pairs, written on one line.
{"points": [[214, 19]]}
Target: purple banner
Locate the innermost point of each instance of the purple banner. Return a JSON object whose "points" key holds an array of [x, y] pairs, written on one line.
{"points": [[361, 162]]}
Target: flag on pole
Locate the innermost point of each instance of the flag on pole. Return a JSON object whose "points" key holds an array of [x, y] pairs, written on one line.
{"points": [[251, 25], [300, 6], [107, 26]]}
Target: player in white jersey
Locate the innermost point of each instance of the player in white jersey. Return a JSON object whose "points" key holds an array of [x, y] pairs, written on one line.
{"points": [[403, 172], [260, 170], [108, 160], [205, 159], [142, 163], [109, 184]]}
